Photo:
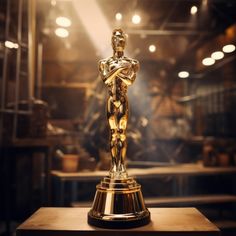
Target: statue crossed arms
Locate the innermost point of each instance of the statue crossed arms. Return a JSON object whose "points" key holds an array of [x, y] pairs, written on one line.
{"points": [[118, 72]]}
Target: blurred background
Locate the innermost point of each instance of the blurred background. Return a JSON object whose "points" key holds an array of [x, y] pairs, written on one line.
{"points": [[54, 138]]}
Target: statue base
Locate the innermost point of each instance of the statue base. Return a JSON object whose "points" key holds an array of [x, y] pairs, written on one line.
{"points": [[118, 203]]}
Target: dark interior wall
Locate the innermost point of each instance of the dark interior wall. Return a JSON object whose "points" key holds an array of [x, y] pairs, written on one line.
{"points": [[65, 103], [214, 104]]}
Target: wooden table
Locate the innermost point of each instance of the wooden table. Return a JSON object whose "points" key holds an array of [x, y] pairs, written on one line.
{"points": [[73, 221]]}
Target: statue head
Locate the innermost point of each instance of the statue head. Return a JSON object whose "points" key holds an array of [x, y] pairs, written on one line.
{"points": [[118, 40]]}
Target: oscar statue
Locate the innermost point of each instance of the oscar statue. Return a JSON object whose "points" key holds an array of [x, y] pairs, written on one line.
{"points": [[118, 202]]}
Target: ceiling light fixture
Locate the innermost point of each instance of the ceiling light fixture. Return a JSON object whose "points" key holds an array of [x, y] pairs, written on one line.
{"points": [[136, 19], [61, 32], [208, 61], [217, 55], [228, 48], [63, 21], [118, 16], [152, 48], [183, 74], [193, 10], [11, 45]]}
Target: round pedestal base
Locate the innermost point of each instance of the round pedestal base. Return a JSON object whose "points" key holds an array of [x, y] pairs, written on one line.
{"points": [[119, 224], [118, 203]]}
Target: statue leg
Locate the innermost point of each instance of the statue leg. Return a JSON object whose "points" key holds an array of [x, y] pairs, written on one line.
{"points": [[112, 120], [122, 142], [117, 119]]}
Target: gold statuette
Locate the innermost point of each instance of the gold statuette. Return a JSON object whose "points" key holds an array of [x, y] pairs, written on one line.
{"points": [[118, 201]]}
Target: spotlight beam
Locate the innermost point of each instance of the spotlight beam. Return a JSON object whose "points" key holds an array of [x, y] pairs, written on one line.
{"points": [[98, 30]]}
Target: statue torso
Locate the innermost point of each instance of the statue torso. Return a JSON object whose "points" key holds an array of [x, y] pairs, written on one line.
{"points": [[117, 88]]}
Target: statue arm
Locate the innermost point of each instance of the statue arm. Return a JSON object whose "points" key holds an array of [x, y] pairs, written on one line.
{"points": [[102, 70], [130, 76], [108, 76], [112, 74]]}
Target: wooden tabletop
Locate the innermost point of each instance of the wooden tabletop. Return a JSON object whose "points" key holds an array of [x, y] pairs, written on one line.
{"points": [[181, 169], [73, 221]]}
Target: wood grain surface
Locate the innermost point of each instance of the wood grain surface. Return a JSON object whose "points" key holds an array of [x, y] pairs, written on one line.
{"points": [[73, 221]]}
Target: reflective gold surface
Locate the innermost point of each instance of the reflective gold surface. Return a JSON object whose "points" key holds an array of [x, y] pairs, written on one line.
{"points": [[118, 72], [118, 202]]}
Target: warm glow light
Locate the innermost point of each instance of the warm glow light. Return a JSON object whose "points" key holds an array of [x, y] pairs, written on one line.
{"points": [[217, 55], [136, 19], [53, 2], [183, 74], [63, 21], [118, 16], [193, 10], [61, 32], [100, 38], [228, 48], [204, 2], [152, 48], [68, 45], [10, 44], [208, 61]]}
